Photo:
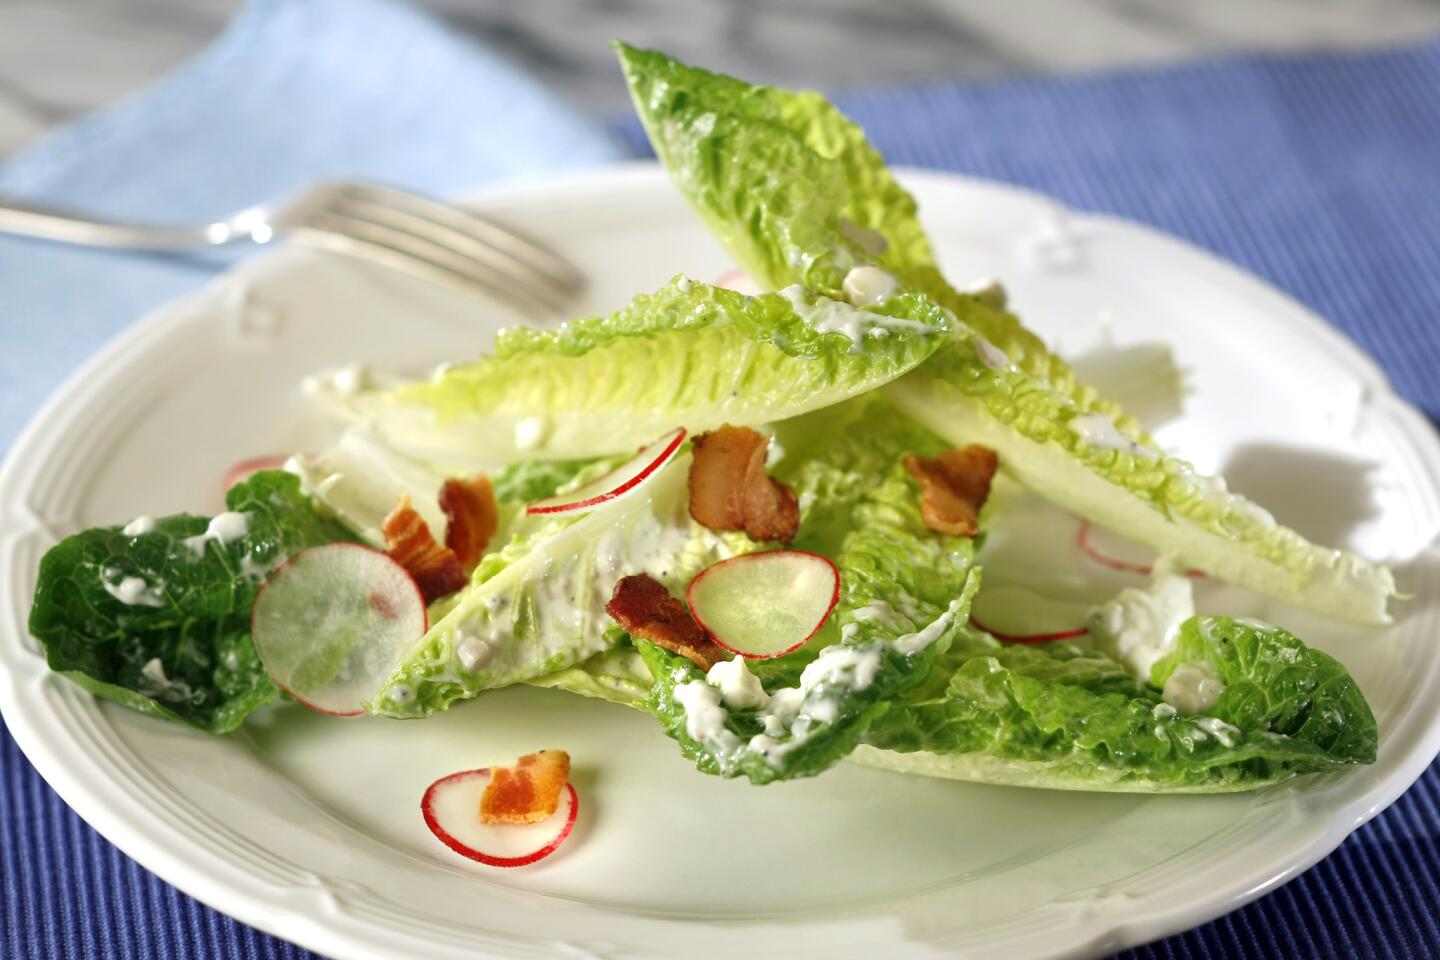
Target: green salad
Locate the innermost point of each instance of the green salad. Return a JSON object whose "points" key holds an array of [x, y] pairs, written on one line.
{"points": [[758, 519]]}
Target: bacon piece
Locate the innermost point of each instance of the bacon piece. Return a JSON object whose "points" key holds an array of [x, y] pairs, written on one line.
{"points": [[953, 488], [643, 606], [471, 517], [527, 792], [408, 542], [729, 489]]}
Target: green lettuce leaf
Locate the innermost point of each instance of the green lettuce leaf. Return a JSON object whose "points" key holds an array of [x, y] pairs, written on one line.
{"points": [[905, 591], [690, 354], [537, 606], [180, 647], [1056, 715], [1078, 460], [618, 675], [798, 195]]}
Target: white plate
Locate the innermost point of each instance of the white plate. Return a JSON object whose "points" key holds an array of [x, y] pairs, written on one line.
{"points": [[308, 827]]}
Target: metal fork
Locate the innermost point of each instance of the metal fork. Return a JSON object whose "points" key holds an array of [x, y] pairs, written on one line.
{"points": [[392, 226]]}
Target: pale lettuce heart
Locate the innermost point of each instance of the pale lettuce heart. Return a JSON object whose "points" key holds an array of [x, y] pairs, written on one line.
{"points": [[538, 604], [1077, 459], [360, 479], [688, 355]]}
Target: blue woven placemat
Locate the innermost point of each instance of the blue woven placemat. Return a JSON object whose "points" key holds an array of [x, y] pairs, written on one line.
{"points": [[1321, 173]]}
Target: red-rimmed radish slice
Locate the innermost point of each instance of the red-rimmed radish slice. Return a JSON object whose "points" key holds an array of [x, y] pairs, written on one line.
{"points": [[1029, 637], [763, 605], [737, 280], [451, 807], [1019, 616], [1110, 551], [333, 622], [245, 468], [623, 480]]}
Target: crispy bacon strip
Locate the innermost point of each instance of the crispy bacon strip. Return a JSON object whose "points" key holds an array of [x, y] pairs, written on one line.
{"points": [[729, 489], [471, 517], [527, 792], [436, 569], [643, 606], [953, 488]]}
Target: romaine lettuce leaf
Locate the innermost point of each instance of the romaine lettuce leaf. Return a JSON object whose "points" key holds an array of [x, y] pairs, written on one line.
{"points": [[798, 195], [537, 606], [360, 479], [180, 647], [1056, 715], [1076, 459], [905, 591], [618, 675], [690, 354]]}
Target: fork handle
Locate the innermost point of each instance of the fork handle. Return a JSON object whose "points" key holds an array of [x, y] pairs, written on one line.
{"points": [[52, 223]]}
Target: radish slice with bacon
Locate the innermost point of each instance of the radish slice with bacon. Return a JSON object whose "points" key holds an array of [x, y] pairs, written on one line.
{"points": [[764, 605], [332, 623], [623, 480], [451, 807], [245, 468]]}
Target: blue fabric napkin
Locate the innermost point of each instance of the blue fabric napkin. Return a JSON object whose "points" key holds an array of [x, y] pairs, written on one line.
{"points": [[1321, 173], [295, 91]]}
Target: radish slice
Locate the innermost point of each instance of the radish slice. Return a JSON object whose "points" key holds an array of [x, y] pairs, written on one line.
{"points": [[1029, 637], [1018, 615], [624, 479], [1084, 539], [333, 622], [245, 468], [737, 280], [451, 807], [764, 605]]}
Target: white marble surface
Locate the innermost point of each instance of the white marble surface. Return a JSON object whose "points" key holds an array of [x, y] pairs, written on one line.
{"points": [[62, 57]]}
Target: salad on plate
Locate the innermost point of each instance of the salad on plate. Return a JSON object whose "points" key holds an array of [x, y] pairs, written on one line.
{"points": [[758, 516]]}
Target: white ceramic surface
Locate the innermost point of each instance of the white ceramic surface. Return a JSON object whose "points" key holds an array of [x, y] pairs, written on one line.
{"points": [[309, 827]]}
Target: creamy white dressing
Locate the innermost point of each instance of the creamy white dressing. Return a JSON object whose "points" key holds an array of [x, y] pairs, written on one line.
{"points": [[1098, 430], [223, 529], [868, 286], [132, 591], [853, 668], [350, 380], [912, 643], [837, 316], [794, 712], [530, 432], [140, 526], [739, 688], [154, 675], [1219, 729], [991, 355], [705, 719], [472, 652], [1192, 689], [1139, 626]]}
